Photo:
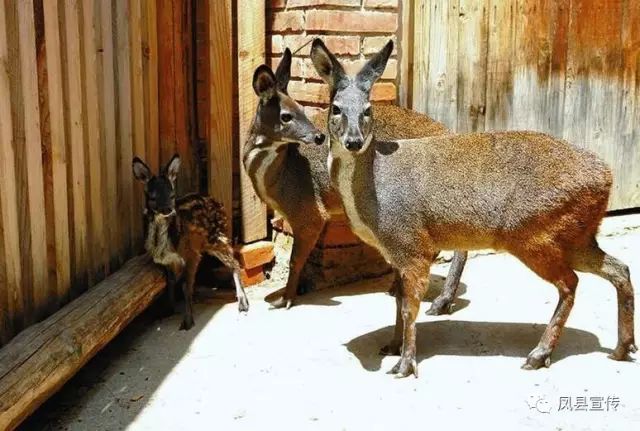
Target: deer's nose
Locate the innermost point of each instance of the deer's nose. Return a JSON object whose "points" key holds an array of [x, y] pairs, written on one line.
{"points": [[354, 144], [166, 211], [319, 138]]}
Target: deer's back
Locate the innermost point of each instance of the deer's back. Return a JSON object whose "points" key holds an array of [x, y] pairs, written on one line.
{"points": [[201, 214], [494, 181]]}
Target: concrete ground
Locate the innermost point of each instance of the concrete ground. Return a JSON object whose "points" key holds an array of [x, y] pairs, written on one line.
{"points": [[316, 366]]}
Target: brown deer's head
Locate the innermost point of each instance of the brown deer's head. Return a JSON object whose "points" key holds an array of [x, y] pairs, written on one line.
{"points": [[280, 118], [159, 190], [350, 115]]}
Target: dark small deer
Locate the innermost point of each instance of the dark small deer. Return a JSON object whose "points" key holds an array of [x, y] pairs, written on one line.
{"points": [[180, 231]]}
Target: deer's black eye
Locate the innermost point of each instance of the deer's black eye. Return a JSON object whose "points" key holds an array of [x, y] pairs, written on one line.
{"points": [[285, 118], [335, 110], [367, 112]]}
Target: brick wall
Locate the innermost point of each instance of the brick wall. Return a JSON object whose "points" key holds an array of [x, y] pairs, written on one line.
{"points": [[352, 29]]}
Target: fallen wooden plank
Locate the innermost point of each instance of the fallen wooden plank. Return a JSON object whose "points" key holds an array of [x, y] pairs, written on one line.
{"points": [[38, 361]]}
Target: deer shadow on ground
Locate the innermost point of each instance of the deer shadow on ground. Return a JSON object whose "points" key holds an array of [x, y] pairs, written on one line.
{"points": [[327, 297], [467, 338]]}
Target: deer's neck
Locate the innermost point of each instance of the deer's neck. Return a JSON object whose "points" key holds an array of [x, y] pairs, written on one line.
{"points": [[159, 245], [264, 161], [352, 175]]}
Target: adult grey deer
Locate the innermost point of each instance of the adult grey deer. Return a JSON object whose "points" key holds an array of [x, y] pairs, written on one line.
{"points": [[286, 162], [534, 196]]}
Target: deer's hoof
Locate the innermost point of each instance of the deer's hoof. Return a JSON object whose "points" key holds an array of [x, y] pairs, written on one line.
{"points": [[282, 303], [439, 308], [621, 353], [243, 304], [538, 358], [186, 324], [405, 367], [391, 349]]}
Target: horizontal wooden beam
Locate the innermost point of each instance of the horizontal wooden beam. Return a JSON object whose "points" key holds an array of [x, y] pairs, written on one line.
{"points": [[42, 358]]}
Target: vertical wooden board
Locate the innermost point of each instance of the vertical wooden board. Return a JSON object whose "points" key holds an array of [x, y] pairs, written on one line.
{"points": [[627, 144], [421, 51], [499, 64], [221, 83], [472, 64], [58, 149], [441, 88], [182, 46], [251, 54], [137, 97], [124, 137], [405, 78], [99, 252], [74, 123], [557, 70], [11, 290], [109, 151], [166, 81], [151, 84], [30, 161]]}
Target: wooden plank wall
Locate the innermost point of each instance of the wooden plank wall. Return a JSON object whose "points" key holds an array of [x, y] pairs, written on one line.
{"points": [[78, 97], [566, 67]]}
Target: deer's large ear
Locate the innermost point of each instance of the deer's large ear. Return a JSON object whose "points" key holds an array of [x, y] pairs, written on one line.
{"points": [[326, 64], [374, 68], [172, 168], [264, 82], [283, 72], [140, 170]]}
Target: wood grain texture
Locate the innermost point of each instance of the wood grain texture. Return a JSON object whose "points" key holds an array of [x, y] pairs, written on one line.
{"points": [[31, 196], [74, 121], [42, 358], [251, 54], [126, 207], [420, 54], [109, 131], [500, 53], [58, 150], [166, 81], [150, 66], [221, 83], [137, 107], [93, 140], [11, 293], [472, 64]]}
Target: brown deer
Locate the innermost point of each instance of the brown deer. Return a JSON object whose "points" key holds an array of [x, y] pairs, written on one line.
{"points": [[534, 196], [293, 179], [181, 230]]}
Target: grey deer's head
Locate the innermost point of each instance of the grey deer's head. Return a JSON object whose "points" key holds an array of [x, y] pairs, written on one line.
{"points": [[350, 114], [279, 117], [159, 190]]}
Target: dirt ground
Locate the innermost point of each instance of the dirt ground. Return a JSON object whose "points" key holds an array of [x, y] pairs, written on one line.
{"points": [[316, 366]]}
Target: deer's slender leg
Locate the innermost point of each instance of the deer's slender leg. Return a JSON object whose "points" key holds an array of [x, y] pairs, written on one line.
{"points": [[192, 260], [394, 347], [224, 253], [444, 302]]}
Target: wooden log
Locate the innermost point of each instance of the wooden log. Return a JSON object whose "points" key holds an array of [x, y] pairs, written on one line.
{"points": [[251, 54], [42, 358], [221, 107]]}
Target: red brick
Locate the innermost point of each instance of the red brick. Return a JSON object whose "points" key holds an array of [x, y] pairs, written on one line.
{"points": [[356, 21], [287, 21], [338, 234], [276, 4], [373, 44], [256, 254], [379, 3], [309, 92], [383, 92], [307, 3], [339, 45], [252, 276]]}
